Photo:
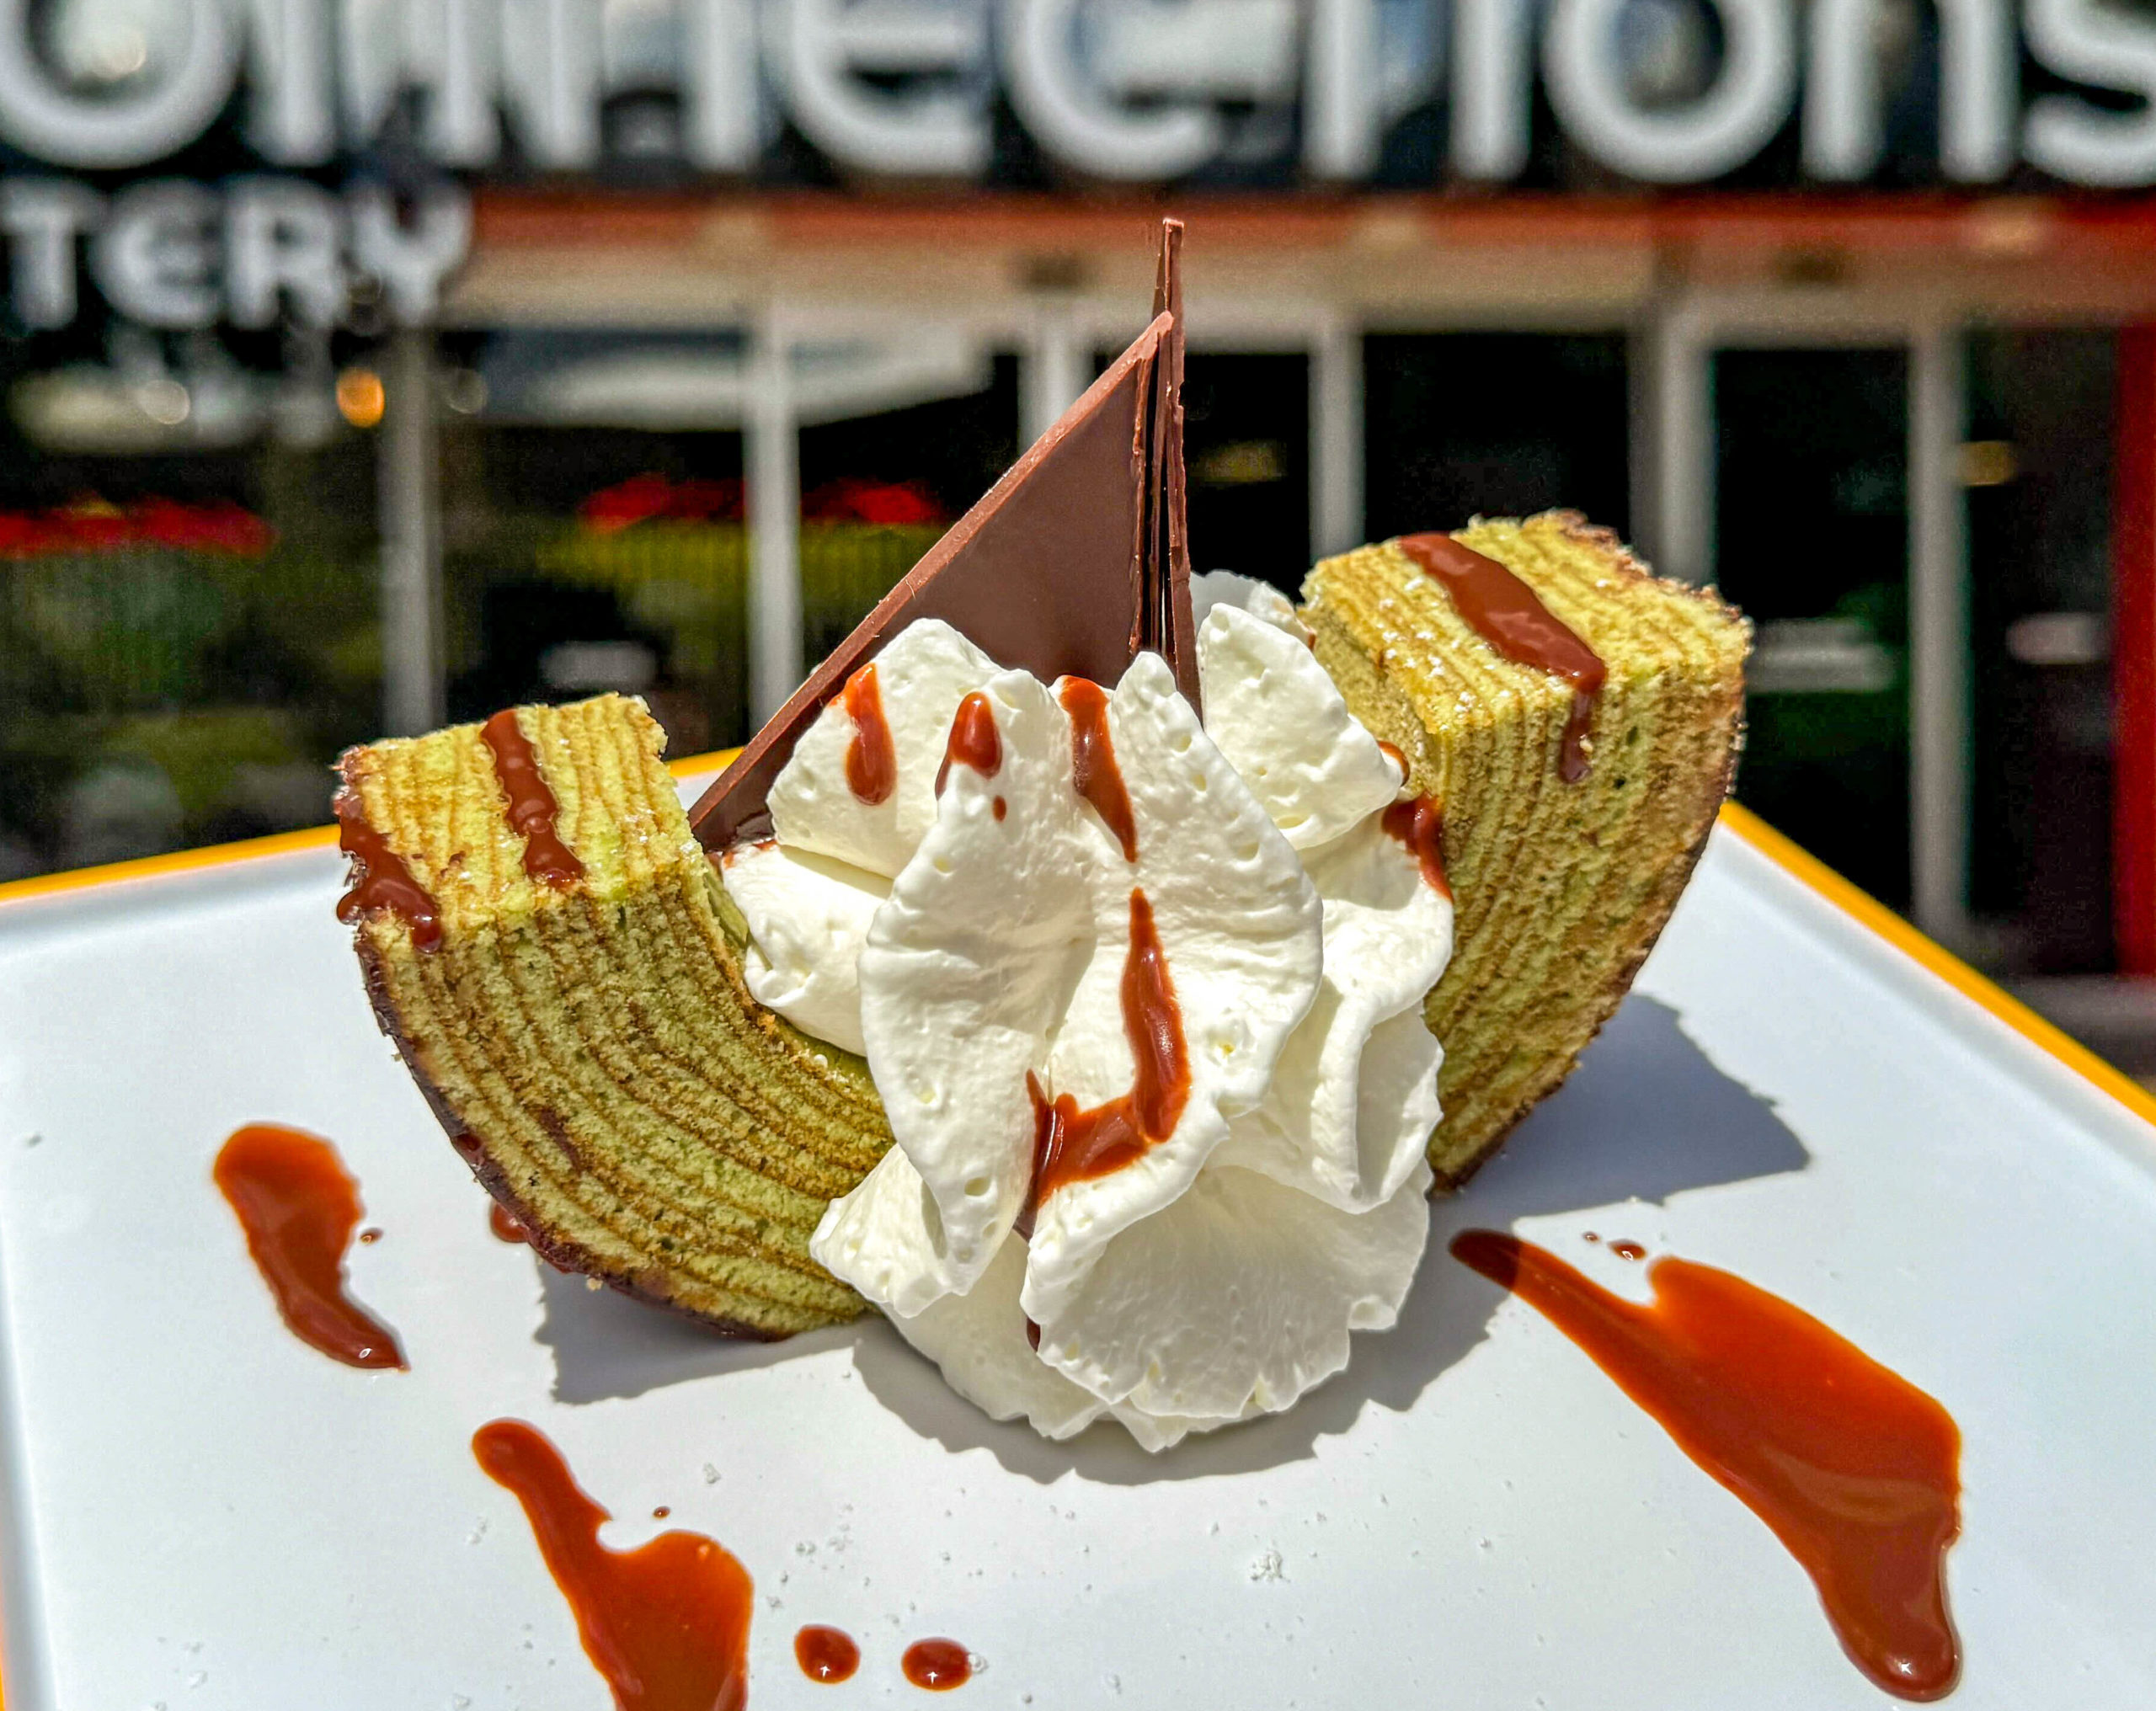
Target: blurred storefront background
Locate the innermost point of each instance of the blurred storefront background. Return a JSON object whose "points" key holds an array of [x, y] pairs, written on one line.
{"points": [[373, 362]]}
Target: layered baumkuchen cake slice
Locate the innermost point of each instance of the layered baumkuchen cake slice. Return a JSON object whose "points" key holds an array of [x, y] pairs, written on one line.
{"points": [[553, 954], [1579, 721]]}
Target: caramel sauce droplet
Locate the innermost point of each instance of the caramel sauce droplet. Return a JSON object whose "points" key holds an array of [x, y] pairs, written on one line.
{"points": [[872, 758], [974, 741], [298, 1206], [1508, 614], [1419, 826], [531, 805], [937, 1664], [826, 1654], [1070, 1145], [503, 1224], [665, 1624], [1094, 770], [1857, 1471], [382, 881]]}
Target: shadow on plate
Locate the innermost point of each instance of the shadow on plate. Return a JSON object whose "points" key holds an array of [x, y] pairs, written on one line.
{"points": [[608, 1345], [1645, 1116]]}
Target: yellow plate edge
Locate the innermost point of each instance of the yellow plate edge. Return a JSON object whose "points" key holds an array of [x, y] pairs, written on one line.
{"points": [[1867, 910], [246, 850]]}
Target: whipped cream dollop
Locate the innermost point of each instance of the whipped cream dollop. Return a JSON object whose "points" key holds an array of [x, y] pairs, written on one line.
{"points": [[1143, 999]]}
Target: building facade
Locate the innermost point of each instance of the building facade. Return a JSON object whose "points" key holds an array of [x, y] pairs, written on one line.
{"points": [[371, 362]]}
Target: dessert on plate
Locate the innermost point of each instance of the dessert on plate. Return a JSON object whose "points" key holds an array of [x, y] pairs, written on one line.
{"points": [[1092, 966]]}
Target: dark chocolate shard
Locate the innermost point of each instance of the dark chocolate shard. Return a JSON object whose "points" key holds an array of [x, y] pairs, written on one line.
{"points": [[1173, 633], [1072, 564]]}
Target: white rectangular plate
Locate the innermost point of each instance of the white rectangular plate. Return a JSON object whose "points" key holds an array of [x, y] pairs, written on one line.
{"points": [[199, 1511]]}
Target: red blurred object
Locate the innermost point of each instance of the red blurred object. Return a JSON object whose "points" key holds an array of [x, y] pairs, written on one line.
{"points": [[91, 526], [643, 499], [849, 500], [646, 498]]}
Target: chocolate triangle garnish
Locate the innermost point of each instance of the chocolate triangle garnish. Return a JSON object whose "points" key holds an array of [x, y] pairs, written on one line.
{"points": [[1072, 564], [1172, 634]]}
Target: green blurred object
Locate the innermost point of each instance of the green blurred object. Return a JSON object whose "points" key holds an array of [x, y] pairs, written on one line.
{"points": [[688, 583], [209, 751], [691, 580], [846, 568], [124, 629], [154, 696]]}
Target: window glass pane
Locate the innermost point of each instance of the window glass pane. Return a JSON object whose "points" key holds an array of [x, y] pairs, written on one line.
{"points": [[2038, 470], [1812, 541]]}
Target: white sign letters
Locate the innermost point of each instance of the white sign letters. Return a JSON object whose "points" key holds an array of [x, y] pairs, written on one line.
{"points": [[1120, 90]]}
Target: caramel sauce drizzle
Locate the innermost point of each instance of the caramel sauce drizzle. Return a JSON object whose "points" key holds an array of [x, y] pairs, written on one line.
{"points": [[665, 1624], [531, 805], [1856, 1470], [1070, 1145], [1420, 826], [298, 1206], [1093, 767], [974, 741], [937, 1664], [872, 758], [381, 880], [826, 1654], [1506, 614]]}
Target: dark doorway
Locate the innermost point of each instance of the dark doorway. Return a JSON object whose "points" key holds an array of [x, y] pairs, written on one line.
{"points": [[2038, 468], [1494, 424], [1812, 540], [1246, 427]]}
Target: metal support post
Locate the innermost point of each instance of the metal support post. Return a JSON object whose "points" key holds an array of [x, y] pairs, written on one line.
{"points": [[1336, 451], [1673, 443], [773, 460], [412, 689], [1053, 371]]}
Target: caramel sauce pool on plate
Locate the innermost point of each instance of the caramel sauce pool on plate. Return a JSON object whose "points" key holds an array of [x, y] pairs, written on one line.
{"points": [[665, 1624], [1855, 1470], [298, 1206]]}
